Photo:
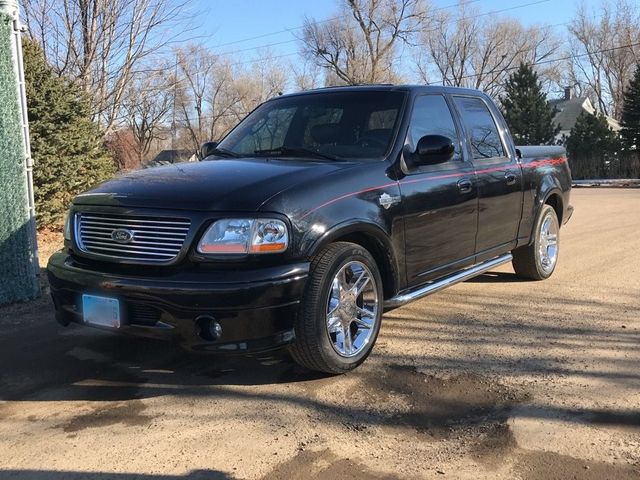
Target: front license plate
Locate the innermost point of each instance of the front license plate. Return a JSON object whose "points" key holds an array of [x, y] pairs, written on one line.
{"points": [[101, 311]]}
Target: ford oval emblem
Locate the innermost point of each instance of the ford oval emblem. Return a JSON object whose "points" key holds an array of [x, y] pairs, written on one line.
{"points": [[122, 235]]}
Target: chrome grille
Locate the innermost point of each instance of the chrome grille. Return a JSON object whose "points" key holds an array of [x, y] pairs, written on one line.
{"points": [[152, 239]]}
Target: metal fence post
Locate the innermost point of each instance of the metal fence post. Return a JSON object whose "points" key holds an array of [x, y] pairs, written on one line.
{"points": [[25, 239]]}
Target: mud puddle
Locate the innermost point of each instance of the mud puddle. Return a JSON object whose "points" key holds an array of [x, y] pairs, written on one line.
{"points": [[442, 406]]}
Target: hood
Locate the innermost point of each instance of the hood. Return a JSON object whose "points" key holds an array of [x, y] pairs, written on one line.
{"points": [[212, 185]]}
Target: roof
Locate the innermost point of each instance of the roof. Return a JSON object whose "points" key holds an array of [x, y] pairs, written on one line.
{"points": [[386, 87], [569, 111]]}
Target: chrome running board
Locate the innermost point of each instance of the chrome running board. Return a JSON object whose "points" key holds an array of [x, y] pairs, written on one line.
{"points": [[445, 282]]}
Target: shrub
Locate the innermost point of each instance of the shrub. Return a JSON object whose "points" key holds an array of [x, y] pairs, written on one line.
{"points": [[66, 144]]}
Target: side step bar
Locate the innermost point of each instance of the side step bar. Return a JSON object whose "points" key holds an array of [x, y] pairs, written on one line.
{"points": [[445, 282]]}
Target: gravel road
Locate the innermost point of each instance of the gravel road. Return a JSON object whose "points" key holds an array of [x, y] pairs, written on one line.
{"points": [[494, 378]]}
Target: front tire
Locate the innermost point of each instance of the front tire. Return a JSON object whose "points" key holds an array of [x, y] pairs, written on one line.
{"points": [[538, 260], [339, 317]]}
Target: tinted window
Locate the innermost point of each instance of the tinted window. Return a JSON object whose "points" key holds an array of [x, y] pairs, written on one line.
{"points": [[268, 133], [382, 119], [320, 115], [431, 116], [342, 124], [485, 140]]}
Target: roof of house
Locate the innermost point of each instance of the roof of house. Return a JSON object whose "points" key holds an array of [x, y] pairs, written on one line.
{"points": [[570, 109]]}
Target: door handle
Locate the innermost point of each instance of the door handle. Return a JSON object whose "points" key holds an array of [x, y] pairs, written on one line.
{"points": [[510, 178], [465, 185]]}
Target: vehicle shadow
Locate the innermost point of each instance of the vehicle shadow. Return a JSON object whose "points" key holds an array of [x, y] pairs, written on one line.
{"points": [[44, 362], [496, 277], [84, 364]]}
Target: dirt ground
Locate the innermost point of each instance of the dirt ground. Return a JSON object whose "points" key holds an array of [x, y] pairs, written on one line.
{"points": [[491, 379]]}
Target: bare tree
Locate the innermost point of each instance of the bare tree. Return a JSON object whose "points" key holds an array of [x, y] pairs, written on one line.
{"points": [[146, 106], [210, 98], [605, 52], [360, 45], [305, 75], [264, 78], [197, 67], [474, 50], [99, 43]]}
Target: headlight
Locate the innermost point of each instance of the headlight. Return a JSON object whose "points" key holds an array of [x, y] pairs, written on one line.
{"points": [[67, 226], [245, 235]]}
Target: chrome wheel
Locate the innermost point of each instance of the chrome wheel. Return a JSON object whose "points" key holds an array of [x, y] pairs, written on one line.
{"points": [[352, 309], [548, 243]]}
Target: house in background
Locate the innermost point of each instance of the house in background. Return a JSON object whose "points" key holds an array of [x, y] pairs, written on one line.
{"points": [[167, 157], [569, 109]]}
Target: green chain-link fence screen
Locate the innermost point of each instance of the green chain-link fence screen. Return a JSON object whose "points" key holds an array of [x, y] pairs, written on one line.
{"points": [[17, 274]]}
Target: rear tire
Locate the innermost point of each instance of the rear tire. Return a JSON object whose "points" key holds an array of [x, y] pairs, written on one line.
{"points": [[339, 317], [538, 260]]}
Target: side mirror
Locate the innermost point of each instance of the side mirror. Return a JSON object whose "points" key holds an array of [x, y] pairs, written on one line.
{"points": [[518, 154], [207, 149], [434, 149]]}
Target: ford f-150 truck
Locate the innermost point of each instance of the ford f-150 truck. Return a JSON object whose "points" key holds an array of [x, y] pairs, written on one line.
{"points": [[314, 215]]}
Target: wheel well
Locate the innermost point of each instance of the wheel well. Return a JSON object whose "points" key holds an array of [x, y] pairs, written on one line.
{"points": [[556, 202], [380, 254]]}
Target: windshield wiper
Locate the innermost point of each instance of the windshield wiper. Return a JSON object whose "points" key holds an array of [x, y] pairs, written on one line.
{"points": [[301, 151], [223, 152]]}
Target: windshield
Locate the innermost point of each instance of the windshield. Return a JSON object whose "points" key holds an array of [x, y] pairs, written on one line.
{"points": [[336, 125]]}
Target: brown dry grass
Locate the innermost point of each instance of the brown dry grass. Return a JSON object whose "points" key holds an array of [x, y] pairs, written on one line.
{"points": [[49, 241]]}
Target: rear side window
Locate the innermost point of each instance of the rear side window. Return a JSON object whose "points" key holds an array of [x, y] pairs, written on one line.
{"points": [[431, 116], [483, 132]]}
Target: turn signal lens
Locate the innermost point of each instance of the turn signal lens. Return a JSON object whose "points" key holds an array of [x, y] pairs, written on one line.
{"points": [[245, 235], [67, 226], [270, 236]]}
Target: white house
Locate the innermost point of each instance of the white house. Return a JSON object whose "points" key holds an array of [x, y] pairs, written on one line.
{"points": [[569, 109]]}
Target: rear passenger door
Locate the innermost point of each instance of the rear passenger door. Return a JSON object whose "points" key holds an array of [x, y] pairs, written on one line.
{"points": [[439, 201], [499, 177]]}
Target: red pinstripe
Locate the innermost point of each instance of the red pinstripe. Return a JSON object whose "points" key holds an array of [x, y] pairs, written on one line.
{"points": [[533, 164]]}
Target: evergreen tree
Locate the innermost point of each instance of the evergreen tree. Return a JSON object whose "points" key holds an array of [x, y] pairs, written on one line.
{"points": [[630, 132], [66, 144], [591, 147], [526, 110]]}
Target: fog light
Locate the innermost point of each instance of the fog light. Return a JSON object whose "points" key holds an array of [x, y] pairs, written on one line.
{"points": [[215, 330], [208, 328]]}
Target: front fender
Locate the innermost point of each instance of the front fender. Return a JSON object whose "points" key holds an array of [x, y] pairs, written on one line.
{"points": [[312, 244], [371, 236], [349, 205]]}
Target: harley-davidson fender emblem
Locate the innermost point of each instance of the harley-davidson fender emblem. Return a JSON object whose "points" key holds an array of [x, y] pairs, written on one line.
{"points": [[387, 200]]}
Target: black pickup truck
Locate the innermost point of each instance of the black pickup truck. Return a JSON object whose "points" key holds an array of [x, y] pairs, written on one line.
{"points": [[317, 213]]}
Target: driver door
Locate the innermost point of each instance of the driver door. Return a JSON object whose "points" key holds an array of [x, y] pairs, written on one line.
{"points": [[440, 201]]}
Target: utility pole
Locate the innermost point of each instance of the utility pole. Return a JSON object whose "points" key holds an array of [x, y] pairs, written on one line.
{"points": [[174, 127], [19, 255]]}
